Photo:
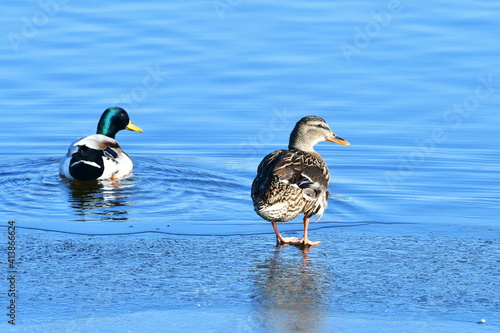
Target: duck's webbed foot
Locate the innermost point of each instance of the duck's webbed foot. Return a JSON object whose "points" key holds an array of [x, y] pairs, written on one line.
{"points": [[286, 240], [280, 240], [305, 242]]}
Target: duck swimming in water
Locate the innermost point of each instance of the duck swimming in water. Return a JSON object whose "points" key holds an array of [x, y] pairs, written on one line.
{"points": [[294, 181], [99, 156]]}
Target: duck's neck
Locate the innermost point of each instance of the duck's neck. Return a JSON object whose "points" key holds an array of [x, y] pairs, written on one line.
{"points": [[301, 146], [299, 142], [106, 127]]}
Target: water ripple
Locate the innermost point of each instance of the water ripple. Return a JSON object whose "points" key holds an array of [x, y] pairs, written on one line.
{"points": [[167, 195]]}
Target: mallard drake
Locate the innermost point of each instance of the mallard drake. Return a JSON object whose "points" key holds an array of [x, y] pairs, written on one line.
{"points": [[99, 156], [294, 181]]}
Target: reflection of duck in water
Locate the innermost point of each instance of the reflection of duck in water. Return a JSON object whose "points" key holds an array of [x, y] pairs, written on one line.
{"points": [[103, 200], [291, 292], [294, 181], [99, 156]]}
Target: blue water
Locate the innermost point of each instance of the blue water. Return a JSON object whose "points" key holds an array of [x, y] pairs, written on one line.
{"points": [[216, 85]]}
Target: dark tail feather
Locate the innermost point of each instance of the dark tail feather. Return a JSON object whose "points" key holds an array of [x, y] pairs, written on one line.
{"points": [[86, 164]]}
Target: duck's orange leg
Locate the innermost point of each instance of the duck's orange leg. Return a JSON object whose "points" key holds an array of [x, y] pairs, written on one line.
{"points": [[280, 239], [305, 240]]}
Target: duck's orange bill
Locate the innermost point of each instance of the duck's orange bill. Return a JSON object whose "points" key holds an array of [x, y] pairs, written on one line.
{"points": [[338, 140]]}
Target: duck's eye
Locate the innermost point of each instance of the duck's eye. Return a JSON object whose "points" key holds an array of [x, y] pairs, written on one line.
{"points": [[321, 126]]}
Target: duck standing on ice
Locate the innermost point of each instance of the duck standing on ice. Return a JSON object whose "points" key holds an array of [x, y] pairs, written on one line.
{"points": [[294, 181]]}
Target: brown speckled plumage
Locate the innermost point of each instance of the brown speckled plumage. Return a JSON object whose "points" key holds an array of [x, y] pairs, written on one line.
{"points": [[294, 181]]}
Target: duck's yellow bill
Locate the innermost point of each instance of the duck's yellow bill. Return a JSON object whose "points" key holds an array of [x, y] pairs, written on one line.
{"points": [[132, 127]]}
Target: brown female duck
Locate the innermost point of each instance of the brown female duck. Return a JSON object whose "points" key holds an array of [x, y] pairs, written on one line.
{"points": [[294, 181]]}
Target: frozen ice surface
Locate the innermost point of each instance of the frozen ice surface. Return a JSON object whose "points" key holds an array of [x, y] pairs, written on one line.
{"points": [[369, 279]]}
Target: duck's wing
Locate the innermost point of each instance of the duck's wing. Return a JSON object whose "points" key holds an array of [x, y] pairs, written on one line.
{"points": [[303, 170], [309, 173], [85, 157], [265, 172], [306, 171]]}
